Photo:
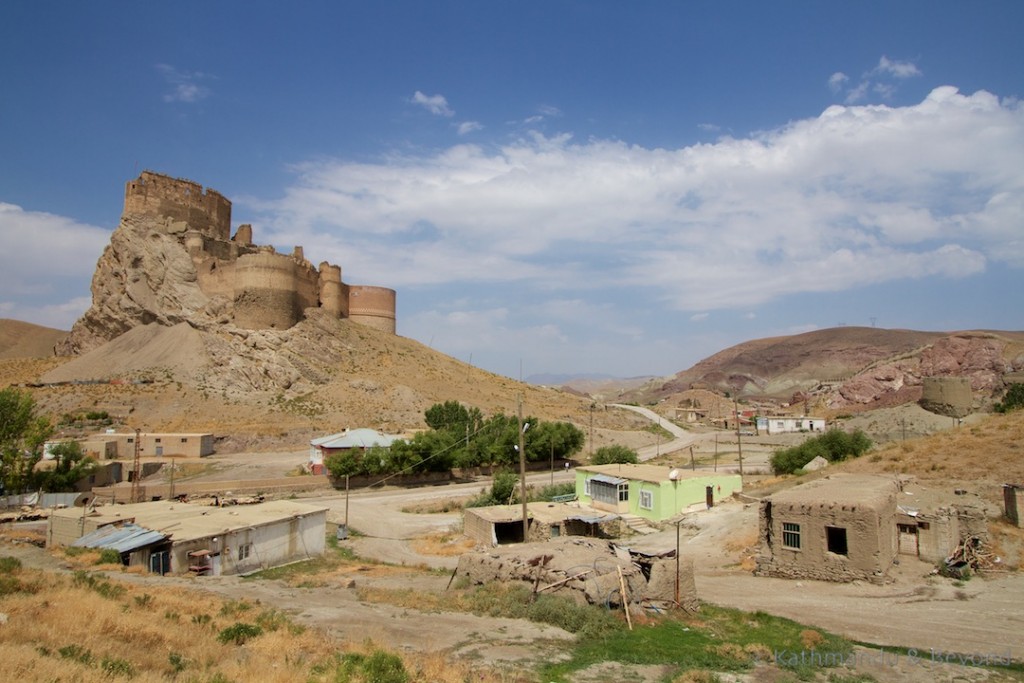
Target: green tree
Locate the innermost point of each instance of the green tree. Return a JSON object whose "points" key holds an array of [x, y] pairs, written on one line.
{"points": [[22, 434], [71, 465], [1013, 399], [452, 415], [607, 455]]}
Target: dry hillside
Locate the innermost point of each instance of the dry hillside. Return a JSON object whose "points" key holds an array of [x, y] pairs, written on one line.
{"points": [[267, 388], [24, 340]]}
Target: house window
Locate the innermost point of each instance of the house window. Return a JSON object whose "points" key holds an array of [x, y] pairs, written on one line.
{"points": [[647, 500], [131, 440], [158, 439], [244, 551], [184, 439], [623, 493], [791, 535], [586, 488], [835, 537]]}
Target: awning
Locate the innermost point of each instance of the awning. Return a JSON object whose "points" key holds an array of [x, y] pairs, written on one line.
{"points": [[592, 519], [606, 479], [123, 539]]}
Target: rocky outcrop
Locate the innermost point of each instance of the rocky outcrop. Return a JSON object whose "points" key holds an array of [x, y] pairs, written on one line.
{"points": [[144, 276]]}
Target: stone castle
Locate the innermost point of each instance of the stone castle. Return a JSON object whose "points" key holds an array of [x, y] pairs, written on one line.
{"points": [[269, 290]]}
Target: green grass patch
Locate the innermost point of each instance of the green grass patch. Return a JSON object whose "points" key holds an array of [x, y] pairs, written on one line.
{"points": [[716, 639]]}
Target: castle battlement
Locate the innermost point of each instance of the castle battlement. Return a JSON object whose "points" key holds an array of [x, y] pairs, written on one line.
{"points": [[267, 289]]}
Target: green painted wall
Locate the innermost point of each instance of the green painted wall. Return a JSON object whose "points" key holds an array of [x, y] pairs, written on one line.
{"points": [[668, 498]]}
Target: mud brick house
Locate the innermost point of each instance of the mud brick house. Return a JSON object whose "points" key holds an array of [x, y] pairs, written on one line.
{"points": [[848, 527]]}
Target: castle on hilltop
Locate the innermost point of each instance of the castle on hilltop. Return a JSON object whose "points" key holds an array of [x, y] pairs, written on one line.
{"points": [[268, 289]]}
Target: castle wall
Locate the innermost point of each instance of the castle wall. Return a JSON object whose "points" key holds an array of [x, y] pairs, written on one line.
{"points": [[266, 291], [372, 306], [269, 290], [179, 200]]}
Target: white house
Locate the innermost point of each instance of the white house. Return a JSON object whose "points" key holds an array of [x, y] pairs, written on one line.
{"points": [[782, 424]]}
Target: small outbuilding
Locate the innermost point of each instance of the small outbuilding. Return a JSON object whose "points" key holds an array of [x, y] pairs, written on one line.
{"points": [[495, 525], [652, 492]]}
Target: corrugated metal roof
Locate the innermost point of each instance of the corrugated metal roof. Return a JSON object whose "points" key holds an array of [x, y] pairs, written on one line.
{"points": [[606, 479], [123, 538], [355, 438], [592, 519]]}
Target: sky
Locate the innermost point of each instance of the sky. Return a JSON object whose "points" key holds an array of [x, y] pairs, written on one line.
{"points": [[557, 186]]}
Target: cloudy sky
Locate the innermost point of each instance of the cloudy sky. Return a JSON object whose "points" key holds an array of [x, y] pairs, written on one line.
{"points": [[551, 187]]}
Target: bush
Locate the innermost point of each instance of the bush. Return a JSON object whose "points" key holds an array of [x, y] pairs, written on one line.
{"points": [[239, 633], [834, 445], [109, 556], [1013, 399]]}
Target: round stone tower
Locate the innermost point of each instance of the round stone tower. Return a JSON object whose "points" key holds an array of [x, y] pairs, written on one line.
{"points": [[372, 306]]}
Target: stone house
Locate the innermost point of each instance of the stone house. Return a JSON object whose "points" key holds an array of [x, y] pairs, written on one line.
{"points": [[652, 492]]}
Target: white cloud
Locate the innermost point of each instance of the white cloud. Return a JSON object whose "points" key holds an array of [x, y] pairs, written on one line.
{"points": [[854, 197], [435, 104], [43, 256], [699, 317], [896, 69], [467, 127], [186, 86], [837, 80]]}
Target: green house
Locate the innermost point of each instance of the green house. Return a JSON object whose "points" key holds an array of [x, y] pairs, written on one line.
{"points": [[652, 492]]}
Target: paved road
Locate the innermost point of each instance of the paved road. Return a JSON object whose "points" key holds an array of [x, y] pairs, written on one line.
{"points": [[683, 439]]}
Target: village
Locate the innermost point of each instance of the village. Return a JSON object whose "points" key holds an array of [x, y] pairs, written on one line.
{"points": [[630, 537]]}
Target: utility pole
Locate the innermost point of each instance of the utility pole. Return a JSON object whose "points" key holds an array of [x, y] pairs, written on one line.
{"points": [[592, 404], [136, 470], [522, 471], [739, 440]]}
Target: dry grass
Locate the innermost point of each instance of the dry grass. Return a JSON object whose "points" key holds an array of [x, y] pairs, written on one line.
{"points": [[443, 545], [986, 455], [64, 628]]}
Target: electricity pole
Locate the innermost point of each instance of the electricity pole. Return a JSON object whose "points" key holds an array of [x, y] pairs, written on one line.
{"points": [[522, 471]]}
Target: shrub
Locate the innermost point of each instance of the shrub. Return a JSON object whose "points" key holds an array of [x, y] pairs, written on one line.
{"points": [[239, 633], [1013, 399], [109, 556], [834, 445]]}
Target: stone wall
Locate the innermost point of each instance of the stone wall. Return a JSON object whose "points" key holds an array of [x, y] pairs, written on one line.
{"points": [[372, 306], [950, 396]]}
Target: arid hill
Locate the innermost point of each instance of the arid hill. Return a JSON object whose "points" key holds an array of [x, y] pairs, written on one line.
{"points": [[851, 368], [24, 340]]}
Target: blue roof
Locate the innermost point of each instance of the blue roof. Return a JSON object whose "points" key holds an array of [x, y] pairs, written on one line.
{"points": [[123, 539]]}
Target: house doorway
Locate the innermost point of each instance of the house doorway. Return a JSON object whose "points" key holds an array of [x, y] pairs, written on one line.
{"points": [[908, 539]]}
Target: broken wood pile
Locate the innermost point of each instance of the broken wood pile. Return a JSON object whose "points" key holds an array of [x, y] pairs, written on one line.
{"points": [[970, 554]]}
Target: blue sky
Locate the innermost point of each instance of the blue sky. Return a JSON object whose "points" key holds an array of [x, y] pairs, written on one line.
{"points": [[551, 187]]}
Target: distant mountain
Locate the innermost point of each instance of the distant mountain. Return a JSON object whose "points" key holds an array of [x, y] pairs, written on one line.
{"points": [[24, 340], [858, 367], [595, 385]]}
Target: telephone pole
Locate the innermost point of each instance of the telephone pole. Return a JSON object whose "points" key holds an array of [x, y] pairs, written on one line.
{"points": [[522, 471]]}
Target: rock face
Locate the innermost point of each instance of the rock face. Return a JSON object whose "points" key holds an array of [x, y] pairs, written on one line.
{"points": [[143, 277], [172, 260]]}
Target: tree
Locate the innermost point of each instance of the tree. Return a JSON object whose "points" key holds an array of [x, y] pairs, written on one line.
{"points": [[71, 465], [1013, 399], [607, 455], [22, 435], [452, 415]]}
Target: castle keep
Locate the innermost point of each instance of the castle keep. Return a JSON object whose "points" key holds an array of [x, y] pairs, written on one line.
{"points": [[268, 289]]}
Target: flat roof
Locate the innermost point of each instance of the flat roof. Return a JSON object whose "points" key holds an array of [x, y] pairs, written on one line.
{"points": [[843, 489], [184, 521], [653, 473]]}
